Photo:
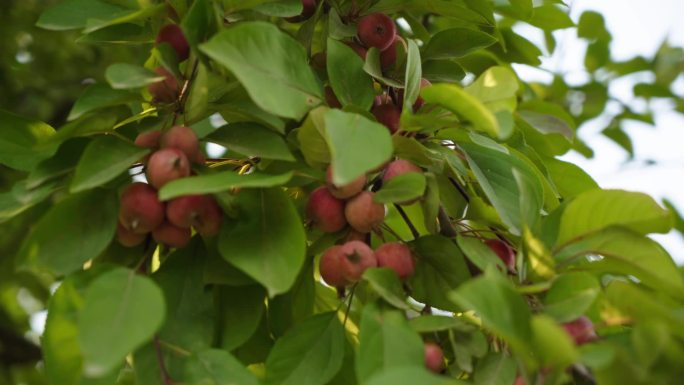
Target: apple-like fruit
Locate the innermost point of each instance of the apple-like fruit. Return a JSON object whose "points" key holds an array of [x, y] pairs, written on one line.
{"points": [[198, 211], [420, 101], [325, 211], [399, 167], [164, 91], [184, 139], [173, 35], [520, 381], [363, 214], [503, 251], [581, 330], [148, 139], [308, 9], [172, 236], [357, 257], [388, 115], [128, 238], [140, 210], [389, 56], [166, 165], [347, 191], [398, 257], [330, 267], [434, 357], [377, 30]]}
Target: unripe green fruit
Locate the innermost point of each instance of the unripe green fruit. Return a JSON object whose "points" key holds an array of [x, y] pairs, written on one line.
{"points": [[398, 257], [128, 238], [357, 257], [173, 35], [198, 211], [184, 139], [363, 214], [377, 30], [172, 236], [434, 357], [347, 191], [140, 210], [165, 91], [166, 165], [330, 267], [325, 211]]}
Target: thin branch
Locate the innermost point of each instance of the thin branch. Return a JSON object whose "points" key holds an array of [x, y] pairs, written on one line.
{"points": [[406, 219], [160, 361], [460, 189], [351, 297], [445, 226]]}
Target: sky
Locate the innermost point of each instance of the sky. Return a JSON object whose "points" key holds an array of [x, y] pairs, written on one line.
{"points": [[638, 28]]}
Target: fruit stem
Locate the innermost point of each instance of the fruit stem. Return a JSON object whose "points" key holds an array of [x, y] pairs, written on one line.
{"points": [[445, 226], [351, 297], [406, 219], [160, 361]]}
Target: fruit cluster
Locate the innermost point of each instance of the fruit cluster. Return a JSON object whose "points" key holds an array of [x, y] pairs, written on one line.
{"points": [[141, 212]]}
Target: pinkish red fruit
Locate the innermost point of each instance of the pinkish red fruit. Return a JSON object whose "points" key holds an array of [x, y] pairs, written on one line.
{"points": [[389, 56], [140, 210], [356, 258], [309, 8], [388, 115], [172, 236], [166, 165], [377, 30], [164, 91], [325, 211], [520, 381], [173, 35], [581, 330], [399, 167], [346, 191], [198, 211], [148, 139], [330, 267], [363, 214], [398, 257], [184, 139], [434, 357], [128, 238], [503, 251]]}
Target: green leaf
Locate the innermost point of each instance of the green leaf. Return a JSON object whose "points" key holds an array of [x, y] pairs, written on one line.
{"points": [[72, 232], [310, 353], [440, 7], [552, 344], [502, 310], [386, 342], [252, 139], [386, 283], [99, 96], [189, 306], [270, 64], [221, 181], [414, 74], [571, 295], [597, 209], [447, 71], [267, 240], [402, 188], [121, 311], [496, 88], [456, 43], [349, 81], [312, 140], [104, 159], [569, 179], [456, 100], [479, 253], [438, 323], [627, 252], [440, 268], [126, 76], [242, 308], [74, 14], [550, 18], [495, 368], [357, 145], [411, 376], [217, 367], [24, 142], [129, 16], [509, 183]]}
